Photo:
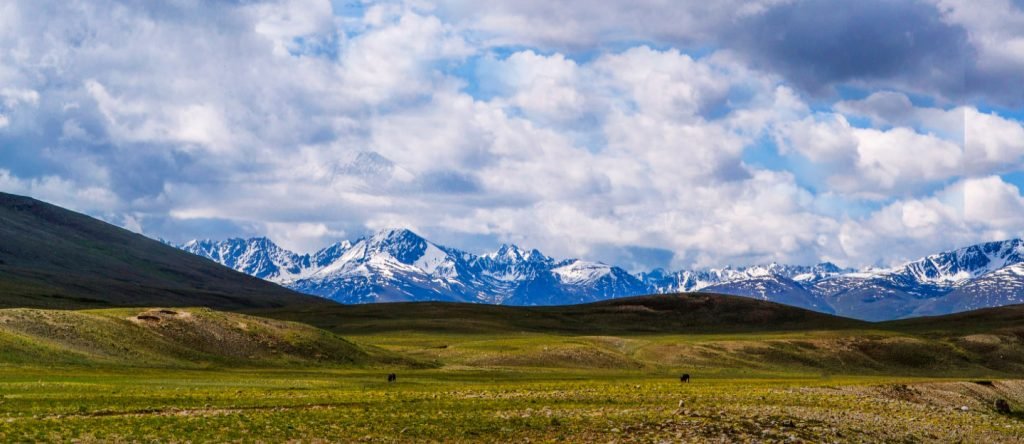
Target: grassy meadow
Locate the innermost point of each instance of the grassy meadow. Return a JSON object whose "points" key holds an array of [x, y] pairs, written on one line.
{"points": [[197, 375], [451, 405]]}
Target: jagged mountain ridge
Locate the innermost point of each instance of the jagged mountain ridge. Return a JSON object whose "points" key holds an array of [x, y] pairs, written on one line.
{"points": [[399, 265]]}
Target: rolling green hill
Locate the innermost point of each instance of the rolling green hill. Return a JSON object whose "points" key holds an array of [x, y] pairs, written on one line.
{"points": [[54, 258], [180, 338]]}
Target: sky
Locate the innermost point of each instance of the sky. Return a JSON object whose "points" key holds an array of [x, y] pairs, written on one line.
{"points": [[644, 133]]}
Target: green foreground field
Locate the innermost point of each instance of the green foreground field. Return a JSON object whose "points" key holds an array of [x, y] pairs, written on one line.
{"points": [[526, 387], [535, 405], [605, 372]]}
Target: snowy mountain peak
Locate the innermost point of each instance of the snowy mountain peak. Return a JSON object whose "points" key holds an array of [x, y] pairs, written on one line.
{"points": [[827, 267], [257, 256], [330, 254], [402, 244], [395, 236], [577, 271], [953, 267], [399, 265], [510, 252], [513, 254]]}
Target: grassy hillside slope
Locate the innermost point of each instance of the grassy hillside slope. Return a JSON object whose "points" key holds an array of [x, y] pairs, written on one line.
{"points": [[155, 337], [54, 258]]}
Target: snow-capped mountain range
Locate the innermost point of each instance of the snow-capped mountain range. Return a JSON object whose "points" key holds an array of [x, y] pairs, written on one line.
{"points": [[399, 265]]}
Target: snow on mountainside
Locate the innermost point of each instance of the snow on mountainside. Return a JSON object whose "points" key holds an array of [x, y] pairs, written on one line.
{"points": [[582, 272], [954, 267], [392, 265], [775, 288], [511, 263], [257, 257], [1000, 287], [923, 286], [399, 265], [585, 281], [687, 280]]}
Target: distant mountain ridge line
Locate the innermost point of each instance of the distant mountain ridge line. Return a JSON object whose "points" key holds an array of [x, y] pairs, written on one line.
{"points": [[399, 265]]}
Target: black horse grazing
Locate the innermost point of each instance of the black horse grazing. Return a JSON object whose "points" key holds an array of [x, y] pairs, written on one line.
{"points": [[685, 377], [1002, 406], [392, 377]]}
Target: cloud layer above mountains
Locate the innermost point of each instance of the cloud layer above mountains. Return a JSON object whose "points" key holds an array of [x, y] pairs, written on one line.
{"points": [[642, 133]]}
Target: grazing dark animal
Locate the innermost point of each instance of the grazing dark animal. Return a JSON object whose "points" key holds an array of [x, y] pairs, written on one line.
{"points": [[1002, 406], [685, 377], [392, 377]]}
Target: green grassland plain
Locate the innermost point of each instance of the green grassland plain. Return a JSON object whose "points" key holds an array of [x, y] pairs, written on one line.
{"points": [[197, 375]]}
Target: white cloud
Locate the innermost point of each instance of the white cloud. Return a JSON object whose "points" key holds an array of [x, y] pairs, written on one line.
{"points": [[91, 199], [163, 115], [966, 212], [827, 138], [993, 144], [876, 163], [574, 24], [995, 27], [394, 58], [545, 88], [665, 83], [988, 143], [870, 163], [302, 237], [13, 97], [199, 124], [283, 21], [900, 158], [889, 108]]}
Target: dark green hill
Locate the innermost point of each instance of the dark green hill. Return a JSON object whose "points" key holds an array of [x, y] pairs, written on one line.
{"points": [[677, 313], [54, 258]]}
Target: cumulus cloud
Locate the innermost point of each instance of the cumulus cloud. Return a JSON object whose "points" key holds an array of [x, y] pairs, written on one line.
{"points": [[567, 25], [819, 43], [282, 118], [895, 109], [963, 212], [993, 144], [393, 57], [56, 190], [910, 147], [543, 88], [995, 29], [873, 163], [950, 48]]}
